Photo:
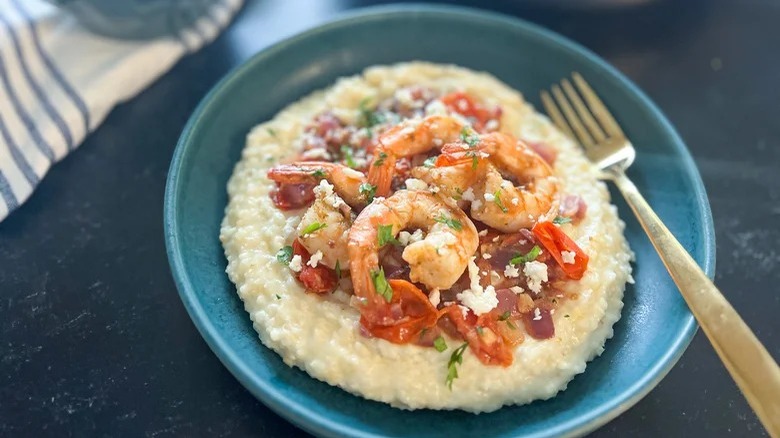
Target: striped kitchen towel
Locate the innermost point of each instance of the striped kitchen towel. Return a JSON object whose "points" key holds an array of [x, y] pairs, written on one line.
{"points": [[58, 81]]}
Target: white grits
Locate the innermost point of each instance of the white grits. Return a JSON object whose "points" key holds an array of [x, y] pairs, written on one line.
{"points": [[321, 335]]}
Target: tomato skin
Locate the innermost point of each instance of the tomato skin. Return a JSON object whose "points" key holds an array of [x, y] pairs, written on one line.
{"points": [[554, 241], [489, 346], [464, 104], [319, 280], [416, 313]]}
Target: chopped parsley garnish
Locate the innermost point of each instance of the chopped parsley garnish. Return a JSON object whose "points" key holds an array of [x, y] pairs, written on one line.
{"points": [[278, 297], [450, 222], [440, 344], [430, 161], [369, 118], [284, 255], [452, 366], [498, 202], [566, 316], [319, 173], [504, 316], [385, 236], [381, 285], [474, 162], [271, 132], [469, 136], [312, 227], [346, 151], [380, 159], [368, 190], [560, 220], [531, 256], [338, 269], [479, 330]]}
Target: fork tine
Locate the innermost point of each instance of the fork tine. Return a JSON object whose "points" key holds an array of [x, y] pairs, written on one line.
{"points": [[555, 115], [582, 134], [597, 106], [593, 127]]}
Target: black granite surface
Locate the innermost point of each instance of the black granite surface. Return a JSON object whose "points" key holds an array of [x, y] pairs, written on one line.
{"points": [[95, 342]]}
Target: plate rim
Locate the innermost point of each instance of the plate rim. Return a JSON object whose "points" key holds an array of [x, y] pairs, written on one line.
{"points": [[318, 424]]}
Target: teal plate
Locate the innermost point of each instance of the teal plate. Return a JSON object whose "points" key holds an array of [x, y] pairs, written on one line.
{"points": [[656, 326]]}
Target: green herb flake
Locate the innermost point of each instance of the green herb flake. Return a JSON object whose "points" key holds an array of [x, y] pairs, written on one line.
{"points": [[469, 136], [349, 159], [271, 132], [511, 325], [504, 316], [278, 297], [474, 162], [369, 117], [440, 344], [430, 161], [385, 236], [284, 255], [450, 222], [479, 330], [566, 316], [380, 159], [452, 366], [319, 174], [368, 190], [338, 269], [560, 220], [312, 227], [531, 256], [381, 285], [498, 202]]}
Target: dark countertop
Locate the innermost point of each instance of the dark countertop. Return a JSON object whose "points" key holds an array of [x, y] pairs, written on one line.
{"points": [[94, 339]]}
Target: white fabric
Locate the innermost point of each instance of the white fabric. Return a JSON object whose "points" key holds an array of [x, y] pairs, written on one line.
{"points": [[58, 82]]}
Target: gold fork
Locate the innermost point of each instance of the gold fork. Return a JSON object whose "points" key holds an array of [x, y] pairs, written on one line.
{"points": [[605, 144]]}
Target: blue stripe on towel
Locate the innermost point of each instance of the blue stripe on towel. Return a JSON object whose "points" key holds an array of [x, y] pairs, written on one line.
{"points": [[7, 194], [53, 69], [26, 120], [16, 154], [42, 98]]}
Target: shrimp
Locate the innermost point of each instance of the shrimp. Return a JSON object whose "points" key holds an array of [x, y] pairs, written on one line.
{"points": [[515, 187], [325, 227], [436, 261], [347, 182], [409, 138]]}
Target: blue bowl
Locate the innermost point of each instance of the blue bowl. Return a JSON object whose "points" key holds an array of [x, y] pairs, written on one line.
{"points": [[656, 325]]}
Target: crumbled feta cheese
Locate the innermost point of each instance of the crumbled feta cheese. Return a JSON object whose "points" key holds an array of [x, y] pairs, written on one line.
{"points": [[476, 298], [536, 273], [438, 142], [468, 195], [416, 184], [435, 107], [404, 96], [464, 311], [491, 125], [517, 289], [552, 312], [315, 154], [486, 256], [315, 259], [296, 264], [489, 197], [515, 201], [462, 105], [406, 238], [324, 191], [495, 239], [476, 204], [434, 297], [483, 233], [568, 257], [511, 271], [537, 314], [434, 189], [506, 185]]}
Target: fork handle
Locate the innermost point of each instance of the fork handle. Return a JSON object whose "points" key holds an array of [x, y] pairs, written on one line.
{"points": [[748, 362]]}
